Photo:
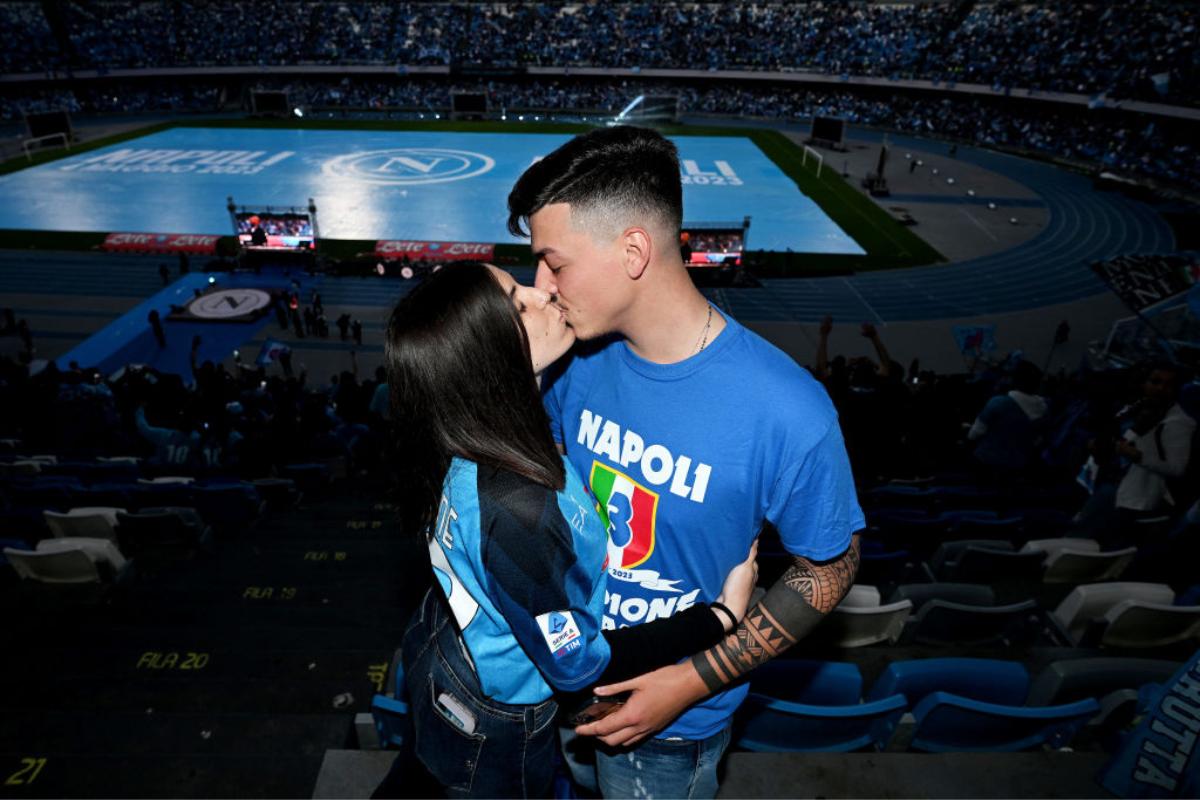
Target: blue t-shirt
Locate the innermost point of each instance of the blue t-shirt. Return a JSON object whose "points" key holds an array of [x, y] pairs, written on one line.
{"points": [[523, 569], [687, 460]]}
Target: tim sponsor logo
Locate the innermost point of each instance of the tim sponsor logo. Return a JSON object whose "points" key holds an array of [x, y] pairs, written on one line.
{"points": [[409, 166]]}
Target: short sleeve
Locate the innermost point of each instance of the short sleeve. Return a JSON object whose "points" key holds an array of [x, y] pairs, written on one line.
{"points": [[814, 504], [535, 580]]}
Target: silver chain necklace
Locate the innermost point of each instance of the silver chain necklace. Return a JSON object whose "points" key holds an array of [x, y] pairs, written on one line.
{"points": [[702, 341]]}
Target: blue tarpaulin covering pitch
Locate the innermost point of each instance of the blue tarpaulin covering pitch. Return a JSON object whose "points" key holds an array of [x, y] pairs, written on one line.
{"points": [[377, 185]]}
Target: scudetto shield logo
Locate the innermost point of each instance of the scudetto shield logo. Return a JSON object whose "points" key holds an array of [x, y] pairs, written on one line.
{"points": [[629, 510], [409, 166]]}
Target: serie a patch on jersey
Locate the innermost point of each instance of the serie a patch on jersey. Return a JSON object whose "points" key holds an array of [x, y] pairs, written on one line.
{"points": [[560, 632]]}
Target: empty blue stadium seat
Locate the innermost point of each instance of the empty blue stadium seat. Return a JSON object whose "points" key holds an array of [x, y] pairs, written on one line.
{"points": [[143, 495], [900, 495], [228, 506], [115, 494], [973, 526], [988, 679], [777, 726], [15, 544], [390, 720], [880, 567], [391, 712], [309, 478], [798, 680], [947, 723]]}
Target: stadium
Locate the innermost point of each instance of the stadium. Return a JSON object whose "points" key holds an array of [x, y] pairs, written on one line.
{"points": [[973, 224]]}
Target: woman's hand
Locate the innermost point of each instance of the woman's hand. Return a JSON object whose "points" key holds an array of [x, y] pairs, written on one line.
{"points": [[739, 585]]}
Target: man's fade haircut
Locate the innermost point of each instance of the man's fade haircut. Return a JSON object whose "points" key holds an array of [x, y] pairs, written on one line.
{"points": [[620, 171]]}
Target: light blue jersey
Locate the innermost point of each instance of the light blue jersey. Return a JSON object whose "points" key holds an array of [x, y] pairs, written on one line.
{"points": [[523, 569]]}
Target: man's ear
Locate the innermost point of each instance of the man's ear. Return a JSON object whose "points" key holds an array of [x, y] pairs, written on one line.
{"points": [[636, 248]]}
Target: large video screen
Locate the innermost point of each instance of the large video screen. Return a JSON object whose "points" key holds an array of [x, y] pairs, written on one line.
{"points": [[712, 248], [469, 103], [263, 230], [271, 102], [829, 129]]}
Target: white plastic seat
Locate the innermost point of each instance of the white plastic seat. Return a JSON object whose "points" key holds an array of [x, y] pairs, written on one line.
{"points": [[68, 566], [861, 596], [1136, 623], [91, 522], [1092, 601], [1078, 566], [860, 626], [100, 551], [1060, 543]]}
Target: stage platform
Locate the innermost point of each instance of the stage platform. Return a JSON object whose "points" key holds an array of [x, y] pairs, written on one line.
{"points": [[377, 185]]}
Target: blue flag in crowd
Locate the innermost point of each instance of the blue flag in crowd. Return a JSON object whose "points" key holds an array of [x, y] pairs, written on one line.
{"points": [[973, 339], [271, 350], [1160, 758]]}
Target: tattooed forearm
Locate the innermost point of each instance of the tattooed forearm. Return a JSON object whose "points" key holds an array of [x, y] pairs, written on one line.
{"points": [[824, 586], [789, 610]]}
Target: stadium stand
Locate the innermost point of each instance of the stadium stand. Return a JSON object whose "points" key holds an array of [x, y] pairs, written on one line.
{"points": [[213, 609]]}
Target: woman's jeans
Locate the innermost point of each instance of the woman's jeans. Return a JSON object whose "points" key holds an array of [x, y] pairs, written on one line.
{"points": [[473, 746]]}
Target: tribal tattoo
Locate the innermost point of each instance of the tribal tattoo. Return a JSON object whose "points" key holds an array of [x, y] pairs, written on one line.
{"points": [[791, 608]]}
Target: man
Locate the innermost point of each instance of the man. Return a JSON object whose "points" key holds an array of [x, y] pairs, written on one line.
{"points": [[691, 431]]}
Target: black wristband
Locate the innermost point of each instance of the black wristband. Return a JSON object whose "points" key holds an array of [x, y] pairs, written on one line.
{"points": [[715, 606]]}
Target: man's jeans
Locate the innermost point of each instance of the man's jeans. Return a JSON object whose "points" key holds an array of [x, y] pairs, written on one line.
{"points": [[657, 768]]}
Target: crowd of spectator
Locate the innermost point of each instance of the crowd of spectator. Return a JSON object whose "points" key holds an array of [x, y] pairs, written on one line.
{"points": [[1128, 143], [1121, 441], [244, 421], [1145, 49]]}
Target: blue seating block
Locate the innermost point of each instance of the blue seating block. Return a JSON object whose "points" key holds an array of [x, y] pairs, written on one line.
{"points": [[987, 679], [947, 723], [830, 683], [777, 726]]}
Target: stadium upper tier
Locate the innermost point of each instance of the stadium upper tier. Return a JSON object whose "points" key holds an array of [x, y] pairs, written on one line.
{"points": [[1143, 50]]}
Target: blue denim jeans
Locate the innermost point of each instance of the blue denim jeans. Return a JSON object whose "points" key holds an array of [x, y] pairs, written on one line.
{"points": [[657, 768], [510, 752]]}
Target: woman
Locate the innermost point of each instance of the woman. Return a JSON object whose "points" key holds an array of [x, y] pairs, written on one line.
{"points": [[517, 544]]}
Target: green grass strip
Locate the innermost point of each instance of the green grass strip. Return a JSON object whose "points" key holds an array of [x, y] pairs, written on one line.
{"points": [[887, 242]]}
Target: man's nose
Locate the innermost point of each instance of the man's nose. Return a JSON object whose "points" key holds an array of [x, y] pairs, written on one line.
{"points": [[535, 296], [544, 280]]}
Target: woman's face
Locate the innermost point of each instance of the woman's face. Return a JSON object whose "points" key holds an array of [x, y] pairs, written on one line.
{"points": [[545, 324]]}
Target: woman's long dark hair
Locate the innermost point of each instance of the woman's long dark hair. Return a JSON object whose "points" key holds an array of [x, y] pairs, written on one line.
{"points": [[462, 384]]}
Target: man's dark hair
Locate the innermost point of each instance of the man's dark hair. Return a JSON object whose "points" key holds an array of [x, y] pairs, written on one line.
{"points": [[616, 168], [462, 384]]}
